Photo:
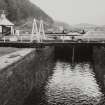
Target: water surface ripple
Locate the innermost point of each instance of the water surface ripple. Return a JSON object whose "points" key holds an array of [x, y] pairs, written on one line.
{"points": [[72, 85]]}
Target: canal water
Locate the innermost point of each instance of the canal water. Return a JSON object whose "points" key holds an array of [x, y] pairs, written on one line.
{"points": [[69, 84]]}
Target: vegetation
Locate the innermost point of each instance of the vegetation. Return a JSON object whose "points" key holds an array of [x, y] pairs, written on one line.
{"points": [[21, 10]]}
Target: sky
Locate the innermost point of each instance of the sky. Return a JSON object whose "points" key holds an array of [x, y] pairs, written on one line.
{"points": [[74, 11]]}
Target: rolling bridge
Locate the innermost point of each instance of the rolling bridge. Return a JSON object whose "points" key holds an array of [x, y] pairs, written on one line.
{"points": [[38, 38]]}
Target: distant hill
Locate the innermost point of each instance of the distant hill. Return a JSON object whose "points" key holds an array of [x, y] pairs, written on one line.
{"points": [[89, 27], [64, 24], [86, 26], [67, 27], [80, 27], [19, 11]]}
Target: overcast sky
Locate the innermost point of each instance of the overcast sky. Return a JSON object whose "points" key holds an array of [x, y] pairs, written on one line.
{"points": [[74, 11]]}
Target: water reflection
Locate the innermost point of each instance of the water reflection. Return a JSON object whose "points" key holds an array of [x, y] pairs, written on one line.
{"points": [[67, 83], [72, 85]]}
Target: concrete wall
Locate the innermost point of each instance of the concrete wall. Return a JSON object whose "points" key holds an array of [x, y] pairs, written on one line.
{"points": [[99, 65], [17, 80]]}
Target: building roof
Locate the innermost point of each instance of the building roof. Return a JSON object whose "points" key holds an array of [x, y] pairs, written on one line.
{"points": [[4, 21]]}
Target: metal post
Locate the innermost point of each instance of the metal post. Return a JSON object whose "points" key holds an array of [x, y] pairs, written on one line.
{"points": [[17, 34], [63, 38], [11, 30], [4, 39], [31, 38], [73, 55], [21, 39], [88, 40]]}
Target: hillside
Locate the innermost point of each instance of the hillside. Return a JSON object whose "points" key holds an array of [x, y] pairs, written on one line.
{"points": [[86, 26], [67, 27], [59, 23], [19, 11], [81, 25]]}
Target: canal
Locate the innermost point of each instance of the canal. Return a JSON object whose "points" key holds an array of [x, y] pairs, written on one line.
{"points": [[70, 83]]}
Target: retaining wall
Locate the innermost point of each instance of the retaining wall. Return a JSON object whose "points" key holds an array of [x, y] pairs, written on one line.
{"points": [[18, 79]]}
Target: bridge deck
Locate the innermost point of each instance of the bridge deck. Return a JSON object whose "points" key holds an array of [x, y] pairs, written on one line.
{"points": [[33, 44]]}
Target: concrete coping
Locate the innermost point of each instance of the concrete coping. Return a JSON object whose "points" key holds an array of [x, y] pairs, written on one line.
{"points": [[8, 59]]}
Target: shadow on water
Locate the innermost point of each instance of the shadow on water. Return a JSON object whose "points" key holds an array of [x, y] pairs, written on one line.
{"points": [[80, 54], [69, 82]]}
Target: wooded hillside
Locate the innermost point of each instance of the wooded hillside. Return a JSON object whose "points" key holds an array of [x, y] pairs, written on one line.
{"points": [[21, 10]]}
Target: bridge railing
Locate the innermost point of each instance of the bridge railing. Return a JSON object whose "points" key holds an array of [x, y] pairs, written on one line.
{"points": [[27, 39], [15, 38], [37, 38]]}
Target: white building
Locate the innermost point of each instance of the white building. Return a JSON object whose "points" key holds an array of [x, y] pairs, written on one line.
{"points": [[6, 27]]}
